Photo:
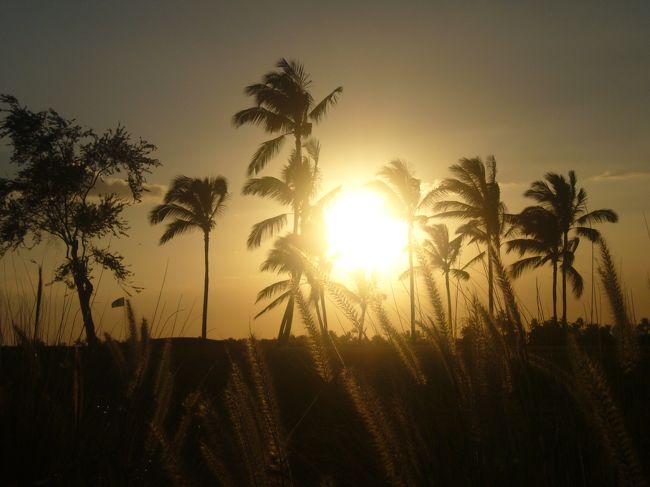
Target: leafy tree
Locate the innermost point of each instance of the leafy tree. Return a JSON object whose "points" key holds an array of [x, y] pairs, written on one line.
{"points": [[56, 192], [443, 254], [283, 104], [193, 204], [480, 206], [568, 204], [403, 190]]}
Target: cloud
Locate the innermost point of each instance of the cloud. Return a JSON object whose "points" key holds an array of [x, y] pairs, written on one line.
{"points": [[121, 188], [621, 175]]}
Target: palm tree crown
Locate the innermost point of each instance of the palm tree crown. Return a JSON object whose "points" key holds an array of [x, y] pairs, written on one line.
{"points": [[568, 205], [541, 237], [284, 105], [191, 204], [480, 206]]}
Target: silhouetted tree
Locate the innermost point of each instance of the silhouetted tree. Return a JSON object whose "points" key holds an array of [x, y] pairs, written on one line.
{"points": [[284, 105], [193, 204], [284, 258], [295, 188], [442, 254], [542, 238], [480, 206], [569, 205], [57, 192], [403, 190]]}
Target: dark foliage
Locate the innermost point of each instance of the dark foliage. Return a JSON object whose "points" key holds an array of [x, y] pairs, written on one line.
{"points": [[53, 193]]}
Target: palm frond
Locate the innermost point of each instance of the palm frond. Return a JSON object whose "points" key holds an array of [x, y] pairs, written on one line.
{"points": [[264, 229], [320, 110], [164, 211], [271, 121], [273, 304], [266, 151], [589, 233], [269, 187], [175, 228], [272, 289], [522, 265], [576, 281], [459, 274], [598, 216]]}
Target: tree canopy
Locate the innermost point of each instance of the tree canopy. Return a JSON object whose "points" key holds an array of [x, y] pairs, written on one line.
{"points": [[56, 191]]}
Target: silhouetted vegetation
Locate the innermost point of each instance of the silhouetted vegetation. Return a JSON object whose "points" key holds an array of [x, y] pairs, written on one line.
{"points": [[193, 204], [486, 398], [56, 192]]}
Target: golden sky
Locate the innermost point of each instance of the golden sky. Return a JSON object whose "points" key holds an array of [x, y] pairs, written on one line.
{"points": [[545, 87]]}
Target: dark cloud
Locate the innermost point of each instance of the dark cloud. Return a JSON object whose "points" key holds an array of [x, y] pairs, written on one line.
{"points": [[621, 175], [120, 187]]}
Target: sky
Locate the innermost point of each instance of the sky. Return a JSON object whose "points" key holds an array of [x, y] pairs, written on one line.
{"points": [[543, 86]]}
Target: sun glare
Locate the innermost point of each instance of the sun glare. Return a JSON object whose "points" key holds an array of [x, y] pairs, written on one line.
{"points": [[362, 234]]}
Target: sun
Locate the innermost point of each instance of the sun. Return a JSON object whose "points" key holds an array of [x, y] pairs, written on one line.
{"points": [[363, 234]]}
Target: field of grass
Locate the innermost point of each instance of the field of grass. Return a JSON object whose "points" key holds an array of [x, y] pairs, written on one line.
{"points": [[189, 412]]}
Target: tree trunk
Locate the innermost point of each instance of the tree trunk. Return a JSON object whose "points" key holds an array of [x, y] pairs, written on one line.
{"points": [[39, 299], [451, 322], [361, 321], [490, 279], [206, 282], [84, 292], [564, 258], [411, 281], [554, 290], [287, 318]]}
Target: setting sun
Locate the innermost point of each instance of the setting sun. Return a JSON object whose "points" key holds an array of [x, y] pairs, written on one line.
{"points": [[361, 233]]}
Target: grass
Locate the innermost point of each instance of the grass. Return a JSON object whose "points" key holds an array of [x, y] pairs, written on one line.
{"points": [[498, 406]]}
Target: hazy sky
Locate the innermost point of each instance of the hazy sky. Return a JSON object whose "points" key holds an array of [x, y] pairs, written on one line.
{"points": [[543, 86]]}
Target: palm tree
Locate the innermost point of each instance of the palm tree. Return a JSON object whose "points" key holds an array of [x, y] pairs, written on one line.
{"points": [[191, 204], [283, 258], [543, 239], [443, 254], [283, 104], [295, 188], [568, 204], [480, 206], [404, 193]]}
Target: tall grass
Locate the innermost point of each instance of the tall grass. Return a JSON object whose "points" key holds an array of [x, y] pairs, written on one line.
{"points": [[487, 408]]}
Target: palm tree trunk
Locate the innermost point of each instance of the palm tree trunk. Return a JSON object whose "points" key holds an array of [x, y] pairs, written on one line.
{"points": [[39, 299], [298, 147], [204, 323], [411, 281], [564, 256], [451, 322], [361, 322], [285, 325], [554, 290], [490, 280]]}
